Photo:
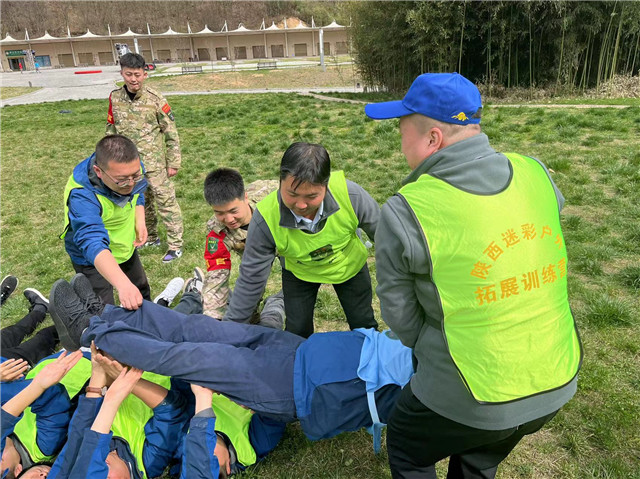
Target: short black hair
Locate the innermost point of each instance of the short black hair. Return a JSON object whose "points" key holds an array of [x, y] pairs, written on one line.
{"points": [[116, 148], [26, 469], [132, 60], [222, 186], [307, 163]]}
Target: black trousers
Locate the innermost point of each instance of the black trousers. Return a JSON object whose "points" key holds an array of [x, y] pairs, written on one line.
{"points": [[417, 438], [132, 268], [300, 296], [33, 350]]}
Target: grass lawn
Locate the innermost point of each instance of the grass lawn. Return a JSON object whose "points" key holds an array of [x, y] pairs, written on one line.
{"points": [[595, 155], [308, 77], [13, 91]]}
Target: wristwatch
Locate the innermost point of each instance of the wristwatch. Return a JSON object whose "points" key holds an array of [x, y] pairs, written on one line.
{"points": [[102, 391]]}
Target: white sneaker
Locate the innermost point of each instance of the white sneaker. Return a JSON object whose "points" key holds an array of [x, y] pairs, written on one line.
{"points": [[171, 291]]}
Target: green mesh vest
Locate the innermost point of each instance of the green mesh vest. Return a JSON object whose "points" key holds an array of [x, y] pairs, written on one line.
{"points": [[500, 269], [131, 418], [119, 222], [233, 420], [26, 429], [332, 255]]}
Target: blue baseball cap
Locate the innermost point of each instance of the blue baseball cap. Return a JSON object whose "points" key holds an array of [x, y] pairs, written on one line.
{"points": [[447, 97]]}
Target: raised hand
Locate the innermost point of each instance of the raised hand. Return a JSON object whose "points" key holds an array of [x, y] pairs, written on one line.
{"points": [[123, 385], [53, 372]]}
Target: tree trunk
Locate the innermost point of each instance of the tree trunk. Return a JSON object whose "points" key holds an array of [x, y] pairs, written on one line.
{"points": [[464, 14], [509, 57], [616, 48], [603, 49], [530, 54], [564, 27]]}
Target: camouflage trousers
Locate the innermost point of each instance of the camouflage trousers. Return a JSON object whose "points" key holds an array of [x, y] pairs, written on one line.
{"points": [[161, 193]]}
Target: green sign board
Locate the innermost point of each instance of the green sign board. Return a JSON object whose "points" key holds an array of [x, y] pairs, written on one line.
{"points": [[16, 53]]}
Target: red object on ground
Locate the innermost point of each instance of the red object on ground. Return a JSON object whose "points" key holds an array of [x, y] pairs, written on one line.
{"points": [[88, 71]]}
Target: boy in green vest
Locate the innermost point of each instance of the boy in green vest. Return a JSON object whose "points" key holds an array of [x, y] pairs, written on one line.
{"points": [[471, 267], [104, 221], [35, 419], [120, 435], [311, 223]]}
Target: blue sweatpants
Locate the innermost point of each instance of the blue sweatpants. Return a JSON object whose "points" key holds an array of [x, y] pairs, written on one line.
{"points": [[249, 364]]}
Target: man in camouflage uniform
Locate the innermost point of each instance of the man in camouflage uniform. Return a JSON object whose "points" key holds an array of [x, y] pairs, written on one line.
{"points": [[233, 207], [142, 114]]}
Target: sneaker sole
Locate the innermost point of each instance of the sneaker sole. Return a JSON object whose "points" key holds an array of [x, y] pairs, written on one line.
{"points": [[38, 293], [198, 273], [170, 260], [63, 332]]}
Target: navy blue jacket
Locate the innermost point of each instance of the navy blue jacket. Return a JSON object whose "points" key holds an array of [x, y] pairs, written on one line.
{"points": [[85, 453]]}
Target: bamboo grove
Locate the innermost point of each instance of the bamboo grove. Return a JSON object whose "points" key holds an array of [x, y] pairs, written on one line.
{"points": [[575, 44]]}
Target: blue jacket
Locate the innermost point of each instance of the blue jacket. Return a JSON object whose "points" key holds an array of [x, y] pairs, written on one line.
{"points": [[333, 372], [53, 410], [198, 459], [85, 453], [87, 236]]}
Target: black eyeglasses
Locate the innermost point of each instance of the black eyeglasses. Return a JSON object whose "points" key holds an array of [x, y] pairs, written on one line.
{"points": [[131, 179]]}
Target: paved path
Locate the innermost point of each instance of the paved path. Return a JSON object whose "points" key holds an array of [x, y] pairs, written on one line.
{"points": [[63, 84]]}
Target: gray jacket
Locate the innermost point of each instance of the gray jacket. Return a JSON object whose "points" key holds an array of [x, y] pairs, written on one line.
{"points": [[409, 301], [260, 249]]}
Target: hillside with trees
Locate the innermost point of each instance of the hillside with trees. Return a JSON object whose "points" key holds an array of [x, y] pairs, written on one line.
{"points": [[526, 44], [55, 16]]}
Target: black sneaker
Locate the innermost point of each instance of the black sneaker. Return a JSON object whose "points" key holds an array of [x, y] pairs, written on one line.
{"points": [[83, 289], [69, 314], [151, 243], [8, 286], [195, 283], [36, 298]]}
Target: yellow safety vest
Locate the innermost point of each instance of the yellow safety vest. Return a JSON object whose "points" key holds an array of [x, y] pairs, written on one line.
{"points": [[120, 222], [332, 255], [132, 417], [234, 420], [26, 428], [500, 269]]}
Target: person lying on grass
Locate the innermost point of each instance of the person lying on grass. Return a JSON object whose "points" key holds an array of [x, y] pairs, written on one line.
{"points": [[332, 382]]}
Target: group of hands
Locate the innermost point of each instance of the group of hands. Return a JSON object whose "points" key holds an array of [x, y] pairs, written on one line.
{"points": [[119, 379]]}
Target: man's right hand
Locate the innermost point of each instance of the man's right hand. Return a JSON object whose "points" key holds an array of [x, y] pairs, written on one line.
{"points": [[130, 297]]}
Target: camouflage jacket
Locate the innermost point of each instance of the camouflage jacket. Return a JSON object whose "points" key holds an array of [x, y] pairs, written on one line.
{"points": [[146, 120], [220, 242]]}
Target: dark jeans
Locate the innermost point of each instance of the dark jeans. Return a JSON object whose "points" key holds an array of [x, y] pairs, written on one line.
{"points": [[132, 268], [417, 438], [33, 350], [355, 296], [250, 364], [190, 303]]}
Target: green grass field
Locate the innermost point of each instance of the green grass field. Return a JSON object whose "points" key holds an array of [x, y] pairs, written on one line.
{"points": [[595, 156]]}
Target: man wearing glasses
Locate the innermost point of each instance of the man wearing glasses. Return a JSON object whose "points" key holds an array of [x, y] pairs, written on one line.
{"points": [[104, 221]]}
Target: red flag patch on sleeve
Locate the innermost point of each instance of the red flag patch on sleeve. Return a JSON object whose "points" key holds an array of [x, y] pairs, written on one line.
{"points": [[166, 108], [110, 114]]}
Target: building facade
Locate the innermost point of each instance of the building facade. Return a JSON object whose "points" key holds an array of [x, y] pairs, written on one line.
{"points": [[171, 46]]}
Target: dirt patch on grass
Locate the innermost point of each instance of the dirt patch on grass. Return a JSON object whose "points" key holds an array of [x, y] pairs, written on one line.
{"points": [[312, 77], [14, 91]]}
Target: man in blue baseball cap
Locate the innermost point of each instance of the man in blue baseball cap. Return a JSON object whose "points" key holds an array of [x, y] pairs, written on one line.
{"points": [[471, 266]]}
